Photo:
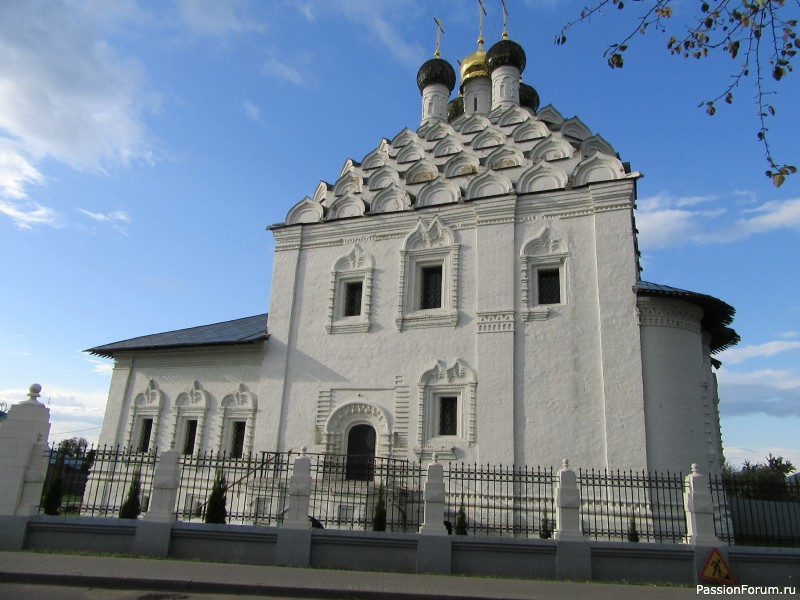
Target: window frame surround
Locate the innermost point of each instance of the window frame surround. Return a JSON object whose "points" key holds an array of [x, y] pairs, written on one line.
{"points": [[145, 405], [541, 253], [440, 382], [356, 265], [190, 405], [427, 246], [237, 406]]}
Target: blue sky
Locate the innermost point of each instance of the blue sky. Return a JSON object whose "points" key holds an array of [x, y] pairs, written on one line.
{"points": [[145, 146]]}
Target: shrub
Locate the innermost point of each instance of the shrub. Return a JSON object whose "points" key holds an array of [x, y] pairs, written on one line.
{"points": [[633, 534], [216, 511], [545, 532], [461, 520], [132, 506], [51, 501], [379, 518]]}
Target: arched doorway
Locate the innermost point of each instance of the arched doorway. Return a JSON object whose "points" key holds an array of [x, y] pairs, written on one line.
{"points": [[360, 453]]}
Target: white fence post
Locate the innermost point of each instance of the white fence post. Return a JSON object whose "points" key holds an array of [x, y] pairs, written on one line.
{"points": [[299, 495], [568, 505], [23, 446], [164, 497], [433, 520], [699, 510]]}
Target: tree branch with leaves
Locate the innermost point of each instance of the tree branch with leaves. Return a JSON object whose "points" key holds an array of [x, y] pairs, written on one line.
{"points": [[760, 34]]}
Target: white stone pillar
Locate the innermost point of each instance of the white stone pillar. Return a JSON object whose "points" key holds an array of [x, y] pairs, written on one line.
{"points": [[24, 452], [568, 505], [166, 480], [299, 495], [433, 520], [699, 510]]}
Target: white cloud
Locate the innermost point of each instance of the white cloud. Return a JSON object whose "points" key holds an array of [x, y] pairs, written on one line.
{"points": [[65, 95], [774, 392], [280, 68], [665, 221], [788, 335], [100, 366], [215, 18], [28, 214], [70, 410], [737, 355], [252, 111]]}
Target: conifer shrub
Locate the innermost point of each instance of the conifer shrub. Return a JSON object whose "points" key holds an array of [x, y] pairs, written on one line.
{"points": [[461, 520], [132, 506], [379, 518], [216, 510], [633, 533], [53, 494]]}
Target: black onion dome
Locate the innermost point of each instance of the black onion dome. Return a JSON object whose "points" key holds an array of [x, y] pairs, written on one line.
{"points": [[455, 108], [503, 53], [528, 97], [436, 70]]}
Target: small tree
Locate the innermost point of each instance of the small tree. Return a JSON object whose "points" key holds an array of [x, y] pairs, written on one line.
{"points": [[132, 506], [545, 532], [379, 518], [633, 533], [53, 494], [461, 520], [216, 511]]}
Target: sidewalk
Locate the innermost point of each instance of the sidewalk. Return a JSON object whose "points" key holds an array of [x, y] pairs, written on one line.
{"points": [[209, 578]]}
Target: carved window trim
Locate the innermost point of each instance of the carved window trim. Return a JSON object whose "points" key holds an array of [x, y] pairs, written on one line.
{"points": [[356, 265], [437, 383], [190, 405], [542, 252], [146, 405], [425, 246], [240, 405]]}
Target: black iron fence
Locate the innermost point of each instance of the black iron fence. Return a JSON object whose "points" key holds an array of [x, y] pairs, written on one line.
{"points": [[255, 487], [757, 511], [498, 500], [365, 492], [632, 506], [355, 492]]}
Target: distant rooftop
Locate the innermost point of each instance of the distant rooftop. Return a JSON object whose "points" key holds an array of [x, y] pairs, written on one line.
{"points": [[247, 330]]}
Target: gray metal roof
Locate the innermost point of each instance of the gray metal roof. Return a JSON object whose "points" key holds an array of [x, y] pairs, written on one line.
{"points": [[717, 315], [248, 330]]}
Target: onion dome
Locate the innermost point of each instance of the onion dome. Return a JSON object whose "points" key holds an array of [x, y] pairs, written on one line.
{"points": [[474, 65], [436, 70], [455, 108], [528, 96], [505, 53]]}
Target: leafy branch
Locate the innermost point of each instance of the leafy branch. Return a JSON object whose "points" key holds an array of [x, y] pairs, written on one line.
{"points": [[762, 34]]}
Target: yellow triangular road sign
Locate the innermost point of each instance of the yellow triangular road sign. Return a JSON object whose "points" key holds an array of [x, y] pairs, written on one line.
{"points": [[716, 569]]}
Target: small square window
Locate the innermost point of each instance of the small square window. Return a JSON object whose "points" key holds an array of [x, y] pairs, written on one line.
{"points": [[448, 415], [548, 283], [431, 287], [352, 298]]}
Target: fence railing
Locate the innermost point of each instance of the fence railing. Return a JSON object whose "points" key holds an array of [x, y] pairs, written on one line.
{"points": [[498, 500], [632, 506], [488, 500]]}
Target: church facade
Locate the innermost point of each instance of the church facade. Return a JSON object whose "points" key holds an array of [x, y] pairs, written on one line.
{"points": [[470, 289]]}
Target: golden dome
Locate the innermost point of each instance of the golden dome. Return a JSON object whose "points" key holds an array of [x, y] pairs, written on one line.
{"points": [[474, 65]]}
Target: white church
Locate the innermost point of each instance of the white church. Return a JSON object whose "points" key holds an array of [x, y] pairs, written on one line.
{"points": [[469, 289]]}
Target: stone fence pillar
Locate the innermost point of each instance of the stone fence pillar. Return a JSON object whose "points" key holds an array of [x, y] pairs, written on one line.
{"points": [[433, 519], [164, 497], [25, 456], [296, 516], [293, 544], [568, 505], [434, 547], [699, 510]]}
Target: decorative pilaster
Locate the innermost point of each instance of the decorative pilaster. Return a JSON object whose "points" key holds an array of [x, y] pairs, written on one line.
{"points": [[433, 523], [699, 510], [568, 505]]}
